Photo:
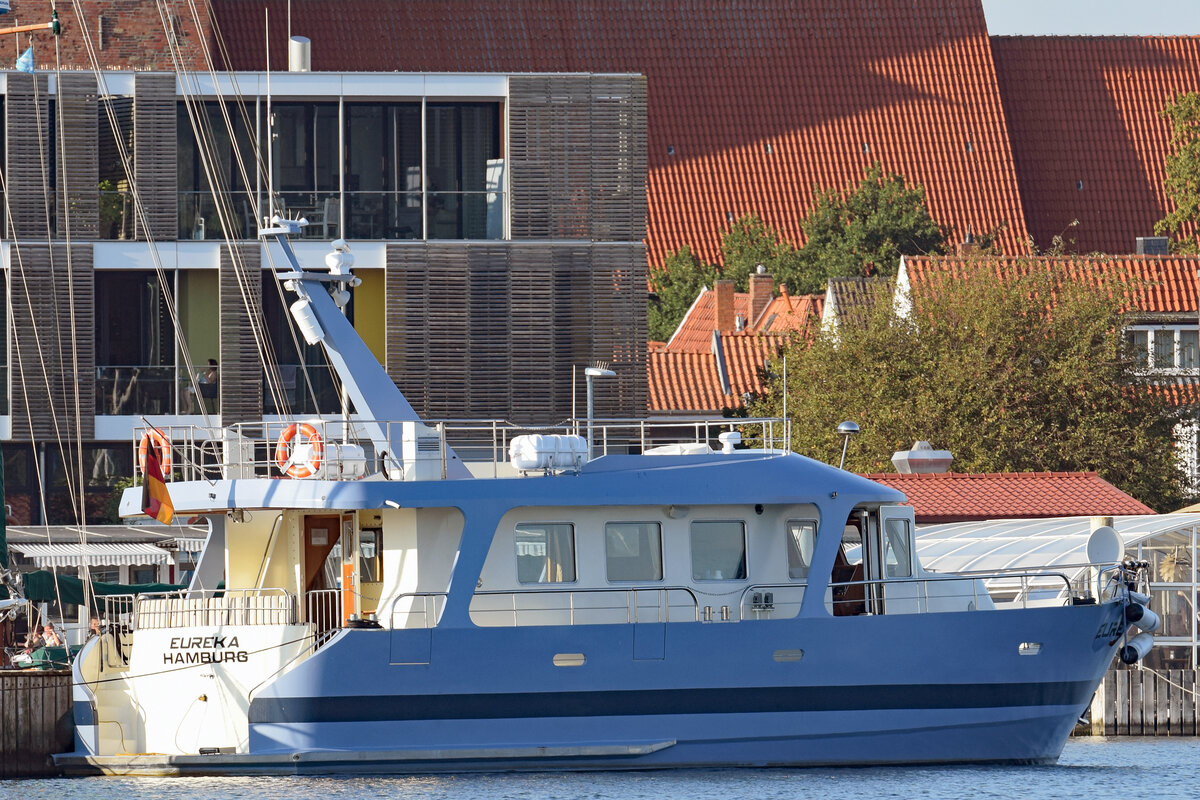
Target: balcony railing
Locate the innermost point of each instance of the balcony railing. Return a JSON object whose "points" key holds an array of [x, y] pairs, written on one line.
{"points": [[198, 217], [151, 389]]}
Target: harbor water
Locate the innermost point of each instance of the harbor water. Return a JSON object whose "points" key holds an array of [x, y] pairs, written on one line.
{"points": [[1141, 767]]}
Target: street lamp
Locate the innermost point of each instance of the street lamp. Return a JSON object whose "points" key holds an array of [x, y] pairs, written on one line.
{"points": [[591, 373]]}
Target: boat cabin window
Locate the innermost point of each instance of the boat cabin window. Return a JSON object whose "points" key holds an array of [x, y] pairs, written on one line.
{"points": [[719, 551], [370, 555], [801, 537], [545, 552], [633, 551], [897, 548]]}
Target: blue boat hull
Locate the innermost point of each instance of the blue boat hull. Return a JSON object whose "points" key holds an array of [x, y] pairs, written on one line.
{"points": [[867, 690]]}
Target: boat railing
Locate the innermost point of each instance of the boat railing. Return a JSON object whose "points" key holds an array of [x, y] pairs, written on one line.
{"points": [[221, 607], [347, 449], [323, 610], [609, 605], [416, 610], [913, 595]]}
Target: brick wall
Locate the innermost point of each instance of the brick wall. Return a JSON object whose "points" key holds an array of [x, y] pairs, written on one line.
{"points": [[126, 34]]}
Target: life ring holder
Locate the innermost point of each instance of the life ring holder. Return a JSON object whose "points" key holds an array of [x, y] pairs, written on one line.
{"points": [[303, 469], [162, 448]]}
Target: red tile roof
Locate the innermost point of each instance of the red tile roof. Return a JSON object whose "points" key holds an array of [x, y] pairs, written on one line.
{"points": [[694, 334], [750, 105], [682, 382], [1084, 111], [1152, 284], [957, 497], [790, 314]]}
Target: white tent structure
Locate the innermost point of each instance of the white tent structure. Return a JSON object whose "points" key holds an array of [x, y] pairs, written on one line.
{"points": [[1167, 541]]}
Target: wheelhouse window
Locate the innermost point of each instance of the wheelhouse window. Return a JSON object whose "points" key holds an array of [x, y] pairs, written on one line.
{"points": [[545, 552], [897, 548], [801, 538], [718, 550], [633, 551]]}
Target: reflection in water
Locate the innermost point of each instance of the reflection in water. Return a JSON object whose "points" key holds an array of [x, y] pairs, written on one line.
{"points": [[1156, 767]]}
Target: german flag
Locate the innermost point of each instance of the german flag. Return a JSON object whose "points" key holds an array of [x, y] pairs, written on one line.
{"points": [[156, 500]]}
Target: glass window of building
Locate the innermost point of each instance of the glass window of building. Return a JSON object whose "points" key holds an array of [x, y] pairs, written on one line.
{"points": [[464, 171], [115, 129], [135, 344], [633, 551], [205, 210], [199, 317], [545, 552], [305, 163], [718, 551], [383, 189], [306, 383]]}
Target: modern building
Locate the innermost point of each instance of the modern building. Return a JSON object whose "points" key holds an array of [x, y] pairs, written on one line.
{"points": [[497, 222]]}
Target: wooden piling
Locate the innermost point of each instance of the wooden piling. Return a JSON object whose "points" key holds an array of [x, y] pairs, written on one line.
{"points": [[35, 721]]}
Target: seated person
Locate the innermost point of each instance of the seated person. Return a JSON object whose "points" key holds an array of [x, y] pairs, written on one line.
{"points": [[51, 637], [33, 641]]}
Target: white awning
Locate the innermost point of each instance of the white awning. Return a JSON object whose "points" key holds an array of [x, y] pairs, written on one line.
{"points": [[94, 555], [188, 545]]}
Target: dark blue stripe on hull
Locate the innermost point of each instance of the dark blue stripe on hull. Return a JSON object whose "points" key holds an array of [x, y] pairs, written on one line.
{"points": [[375, 708]]}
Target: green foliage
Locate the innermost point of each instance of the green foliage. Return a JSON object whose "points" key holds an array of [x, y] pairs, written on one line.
{"points": [[986, 370], [675, 288], [865, 230], [1183, 169], [112, 507], [750, 242]]}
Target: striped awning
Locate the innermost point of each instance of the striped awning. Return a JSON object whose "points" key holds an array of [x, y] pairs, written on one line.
{"points": [[188, 545], [94, 555]]}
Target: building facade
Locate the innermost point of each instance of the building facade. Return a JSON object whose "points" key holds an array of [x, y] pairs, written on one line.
{"points": [[497, 222]]}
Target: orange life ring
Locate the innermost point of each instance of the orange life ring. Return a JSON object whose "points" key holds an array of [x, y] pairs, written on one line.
{"points": [[162, 448], [304, 469]]}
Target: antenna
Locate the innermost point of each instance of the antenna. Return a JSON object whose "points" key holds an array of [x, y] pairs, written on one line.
{"points": [[270, 124]]}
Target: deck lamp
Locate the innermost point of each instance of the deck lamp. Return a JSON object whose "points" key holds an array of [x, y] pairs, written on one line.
{"points": [[591, 373], [846, 429]]}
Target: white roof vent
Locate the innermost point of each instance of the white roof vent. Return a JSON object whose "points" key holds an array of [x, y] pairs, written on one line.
{"points": [[921, 459]]}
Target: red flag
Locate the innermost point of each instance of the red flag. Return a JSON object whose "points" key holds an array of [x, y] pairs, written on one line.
{"points": [[156, 500]]}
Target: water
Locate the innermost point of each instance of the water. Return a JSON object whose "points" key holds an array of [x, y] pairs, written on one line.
{"points": [[1146, 768]]}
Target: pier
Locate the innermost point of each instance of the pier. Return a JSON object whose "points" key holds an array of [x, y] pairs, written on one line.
{"points": [[1145, 702], [35, 721]]}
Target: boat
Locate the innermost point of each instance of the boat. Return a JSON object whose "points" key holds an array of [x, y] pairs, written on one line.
{"points": [[376, 597]]}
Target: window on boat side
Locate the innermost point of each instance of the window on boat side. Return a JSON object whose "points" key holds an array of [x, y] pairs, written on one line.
{"points": [[370, 555], [633, 551], [545, 552], [801, 538], [719, 551], [897, 548]]}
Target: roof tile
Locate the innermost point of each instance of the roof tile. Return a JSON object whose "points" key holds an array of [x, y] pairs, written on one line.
{"points": [[955, 497]]}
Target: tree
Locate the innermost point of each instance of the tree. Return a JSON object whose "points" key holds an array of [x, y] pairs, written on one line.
{"points": [[675, 287], [749, 242], [865, 230], [986, 369], [1183, 170]]}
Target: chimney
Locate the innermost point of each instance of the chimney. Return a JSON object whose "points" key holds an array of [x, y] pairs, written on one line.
{"points": [[787, 299], [967, 246], [760, 292], [725, 320]]}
